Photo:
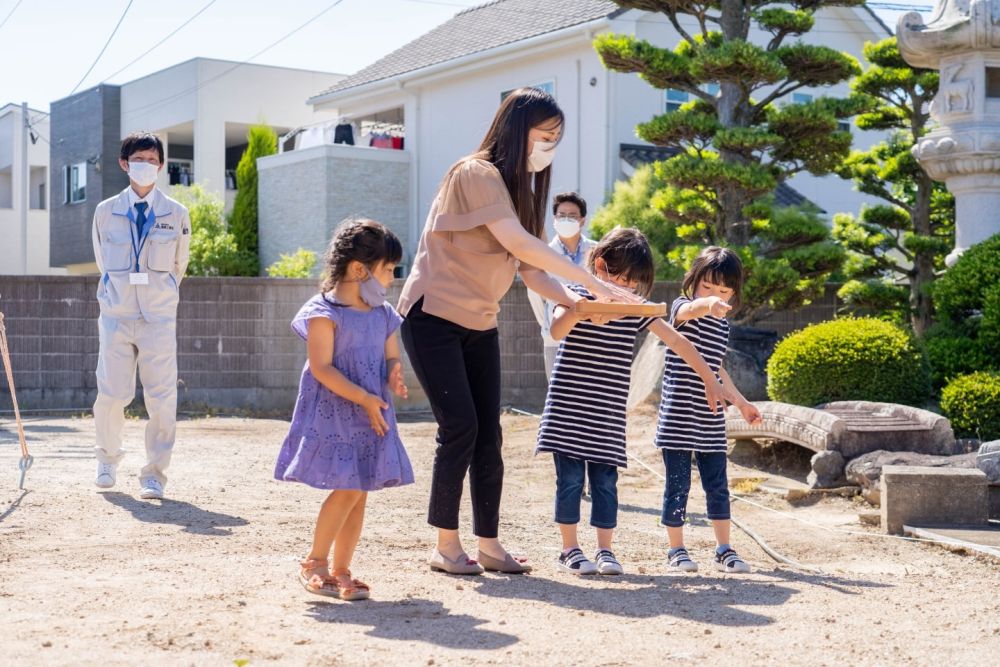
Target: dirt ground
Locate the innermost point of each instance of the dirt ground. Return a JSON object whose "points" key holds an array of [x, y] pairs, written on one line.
{"points": [[208, 577]]}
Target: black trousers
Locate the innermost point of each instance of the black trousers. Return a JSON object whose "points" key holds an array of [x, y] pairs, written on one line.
{"points": [[459, 370]]}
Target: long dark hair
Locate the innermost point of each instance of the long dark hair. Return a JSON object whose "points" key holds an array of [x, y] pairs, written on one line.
{"points": [[626, 253], [720, 266], [506, 144], [360, 239]]}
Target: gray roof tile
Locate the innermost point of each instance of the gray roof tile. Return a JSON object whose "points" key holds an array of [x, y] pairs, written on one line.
{"points": [[479, 29]]}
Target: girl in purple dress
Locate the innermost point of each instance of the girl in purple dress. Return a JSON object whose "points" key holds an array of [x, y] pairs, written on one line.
{"points": [[343, 435]]}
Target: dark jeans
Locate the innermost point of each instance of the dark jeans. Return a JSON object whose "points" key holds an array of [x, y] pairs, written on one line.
{"points": [[711, 467], [603, 491], [459, 369]]}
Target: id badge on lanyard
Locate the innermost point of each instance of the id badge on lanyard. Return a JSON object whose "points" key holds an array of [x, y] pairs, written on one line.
{"points": [[138, 277]]}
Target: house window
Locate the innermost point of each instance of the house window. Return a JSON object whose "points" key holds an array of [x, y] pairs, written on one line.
{"points": [[801, 98], [548, 86], [75, 183], [843, 126], [674, 98]]}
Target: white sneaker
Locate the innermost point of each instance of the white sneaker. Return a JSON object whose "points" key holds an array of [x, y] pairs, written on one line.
{"points": [[105, 475], [151, 489], [680, 560], [729, 561], [607, 563], [574, 562]]}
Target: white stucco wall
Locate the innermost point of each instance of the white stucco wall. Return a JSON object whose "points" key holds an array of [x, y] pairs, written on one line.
{"points": [[11, 147], [206, 93]]}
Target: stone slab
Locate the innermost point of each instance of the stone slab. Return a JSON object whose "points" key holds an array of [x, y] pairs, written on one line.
{"points": [[918, 495], [980, 539]]}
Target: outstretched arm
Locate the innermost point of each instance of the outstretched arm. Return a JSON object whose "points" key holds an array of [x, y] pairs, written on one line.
{"points": [[686, 351]]}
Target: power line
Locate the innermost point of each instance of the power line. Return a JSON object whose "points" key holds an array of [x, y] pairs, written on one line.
{"points": [[237, 65], [157, 45], [10, 13], [104, 48]]}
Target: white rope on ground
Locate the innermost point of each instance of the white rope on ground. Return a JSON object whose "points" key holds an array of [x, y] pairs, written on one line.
{"points": [[844, 531], [746, 529], [26, 458]]}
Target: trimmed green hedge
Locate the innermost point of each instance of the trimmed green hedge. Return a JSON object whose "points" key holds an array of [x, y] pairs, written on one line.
{"points": [[849, 359], [972, 403]]}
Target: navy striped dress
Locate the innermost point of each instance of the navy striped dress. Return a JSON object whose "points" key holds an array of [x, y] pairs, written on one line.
{"points": [[585, 407], [685, 421]]}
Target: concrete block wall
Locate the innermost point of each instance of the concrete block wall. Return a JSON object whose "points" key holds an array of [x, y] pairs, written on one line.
{"points": [[303, 195], [235, 347]]}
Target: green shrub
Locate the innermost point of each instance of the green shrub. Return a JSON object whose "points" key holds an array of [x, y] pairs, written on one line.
{"points": [[972, 403], [951, 352], [966, 337], [213, 251], [961, 292], [848, 359], [299, 264]]}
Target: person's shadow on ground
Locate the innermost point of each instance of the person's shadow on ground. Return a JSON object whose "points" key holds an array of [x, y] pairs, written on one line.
{"points": [[191, 518], [412, 619]]}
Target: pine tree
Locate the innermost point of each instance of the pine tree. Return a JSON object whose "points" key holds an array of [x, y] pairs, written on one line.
{"points": [[740, 138], [894, 249]]}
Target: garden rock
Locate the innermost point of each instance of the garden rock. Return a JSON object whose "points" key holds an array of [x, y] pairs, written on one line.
{"points": [[988, 460], [866, 470], [827, 470]]}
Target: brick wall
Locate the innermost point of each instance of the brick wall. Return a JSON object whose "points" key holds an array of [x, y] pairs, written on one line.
{"points": [[235, 348]]}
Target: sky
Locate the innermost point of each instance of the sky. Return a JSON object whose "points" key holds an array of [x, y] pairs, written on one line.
{"points": [[47, 46]]}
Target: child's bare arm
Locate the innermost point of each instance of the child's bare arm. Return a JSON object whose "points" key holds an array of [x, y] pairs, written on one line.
{"points": [[686, 351], [563, 322], [319, 347], [708, 305], [394, 367], [749, 411]]}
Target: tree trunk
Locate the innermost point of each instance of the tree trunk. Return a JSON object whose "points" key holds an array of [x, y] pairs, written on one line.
{"points": [[921, 308], [734, 229]]}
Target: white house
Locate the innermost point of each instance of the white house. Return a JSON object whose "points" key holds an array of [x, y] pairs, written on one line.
{"points": [[20, 254], [201, 108], [444, 87]]}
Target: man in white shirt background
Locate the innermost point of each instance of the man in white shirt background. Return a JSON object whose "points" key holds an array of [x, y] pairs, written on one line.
{"points": [[570, 212]]}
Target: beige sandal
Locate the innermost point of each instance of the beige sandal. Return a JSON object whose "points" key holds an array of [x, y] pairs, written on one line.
{"points": [[320, 584], [354, 589]]}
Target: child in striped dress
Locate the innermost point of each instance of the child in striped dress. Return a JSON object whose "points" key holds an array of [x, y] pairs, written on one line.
{"points": [[583, 425], [684, 425]]}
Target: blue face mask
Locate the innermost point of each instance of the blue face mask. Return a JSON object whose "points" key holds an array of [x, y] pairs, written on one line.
{"points": [[372, 291]]}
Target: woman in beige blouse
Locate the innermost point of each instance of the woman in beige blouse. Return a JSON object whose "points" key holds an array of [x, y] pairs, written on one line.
{"points": [[486, 223]]}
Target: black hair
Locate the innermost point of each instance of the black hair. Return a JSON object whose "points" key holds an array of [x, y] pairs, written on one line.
{"points": [[506, 147], [720, 266], [573, 198], [362, 240], [140, 141], [627, 254]]}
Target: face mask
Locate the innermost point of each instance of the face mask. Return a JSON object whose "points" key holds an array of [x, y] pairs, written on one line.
{"points": [[566, 227], [542, 154], [372, 291], [142, 174]]}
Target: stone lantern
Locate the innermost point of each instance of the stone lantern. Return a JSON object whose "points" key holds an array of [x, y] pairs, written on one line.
{"points": [[962, 40]]}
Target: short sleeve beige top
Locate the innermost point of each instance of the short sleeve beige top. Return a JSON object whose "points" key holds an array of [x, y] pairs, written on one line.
{"points": [[461, 270]]}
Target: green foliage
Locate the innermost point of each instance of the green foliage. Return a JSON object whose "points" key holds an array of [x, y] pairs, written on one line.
{"points": [[972, 403], [848, 359], [261, 141], [213, 251], [967, 335], [905, 240], [734, 149], [875, 297], [300, 264]]}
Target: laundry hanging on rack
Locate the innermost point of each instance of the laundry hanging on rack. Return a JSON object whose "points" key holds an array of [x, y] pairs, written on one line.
{"points": [[344, 134]]}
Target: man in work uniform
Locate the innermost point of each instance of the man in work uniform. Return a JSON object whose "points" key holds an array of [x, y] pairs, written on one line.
{"points": [[141, 240]]}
